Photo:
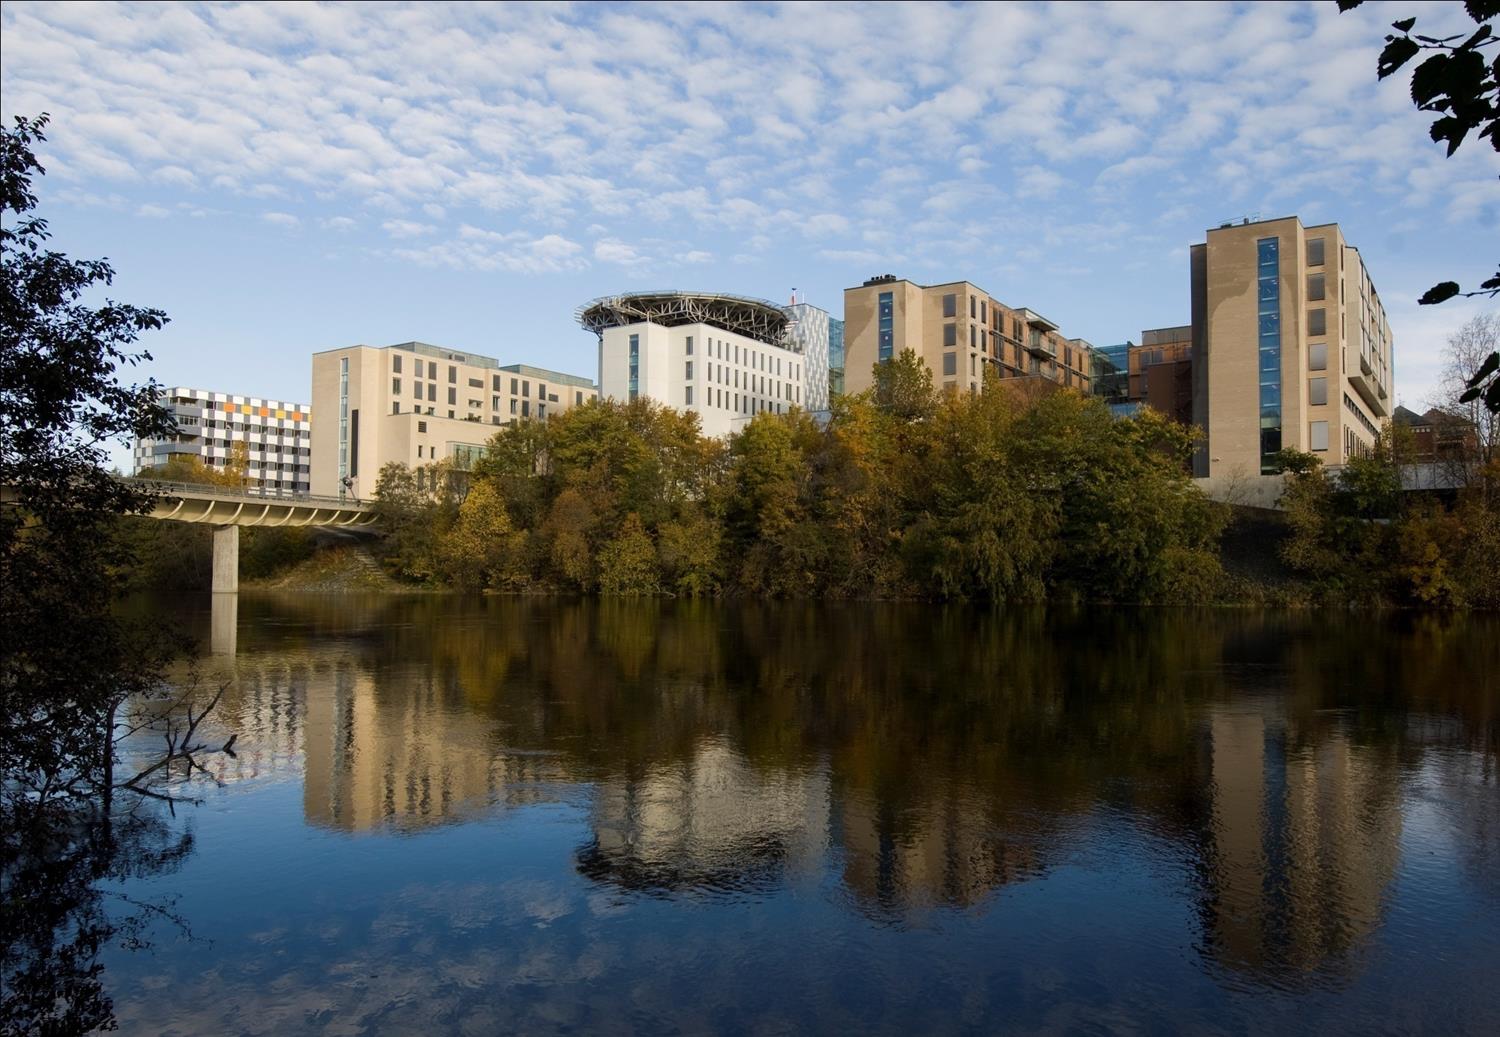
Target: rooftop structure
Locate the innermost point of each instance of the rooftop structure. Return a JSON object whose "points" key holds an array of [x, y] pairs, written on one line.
{"points": [[743, 315]]}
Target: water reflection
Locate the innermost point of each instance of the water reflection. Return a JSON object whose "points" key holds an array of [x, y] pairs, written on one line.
{"points": [[908, 760]]}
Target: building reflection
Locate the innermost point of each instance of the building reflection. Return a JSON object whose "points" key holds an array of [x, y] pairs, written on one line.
{"points": [[1303, 844], [710, 823], [915, 768]]}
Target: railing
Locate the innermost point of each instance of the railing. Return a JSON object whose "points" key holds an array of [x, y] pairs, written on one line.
{"points": [[193, 489]]}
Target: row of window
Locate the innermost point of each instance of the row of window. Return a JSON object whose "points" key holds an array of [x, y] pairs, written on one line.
{"points": [[740, 403]]}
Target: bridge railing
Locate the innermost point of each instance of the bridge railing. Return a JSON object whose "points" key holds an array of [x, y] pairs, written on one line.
{"points": [[202, 490]]}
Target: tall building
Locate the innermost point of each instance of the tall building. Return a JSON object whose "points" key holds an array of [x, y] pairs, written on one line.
{"points": [[1291, 348], [723, 357], [276, 435], [817, 336], [959, 329], [417, 403]]}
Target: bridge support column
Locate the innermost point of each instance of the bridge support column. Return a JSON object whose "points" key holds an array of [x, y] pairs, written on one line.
{"points": [[226, 559], [224, 624]]}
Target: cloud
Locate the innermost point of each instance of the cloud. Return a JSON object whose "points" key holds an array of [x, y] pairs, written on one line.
{"points": [[281, 219], [613, 251], [155, 212], [406, 228]]}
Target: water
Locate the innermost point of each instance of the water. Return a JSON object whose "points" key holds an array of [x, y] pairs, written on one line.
{"points": [[485, 816]]}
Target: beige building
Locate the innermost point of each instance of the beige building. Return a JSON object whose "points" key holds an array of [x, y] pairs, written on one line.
{"points": [[1291, 348], [960, 330], [416, 403]]}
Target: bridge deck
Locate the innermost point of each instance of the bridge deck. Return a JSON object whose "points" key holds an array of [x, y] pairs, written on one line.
{"points": [[226, 506]]}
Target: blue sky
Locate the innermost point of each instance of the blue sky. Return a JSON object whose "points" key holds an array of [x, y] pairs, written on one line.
{"points": [[285, 179]]}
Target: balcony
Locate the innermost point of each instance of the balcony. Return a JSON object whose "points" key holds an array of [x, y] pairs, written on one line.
{"points": [[1371, 391]]}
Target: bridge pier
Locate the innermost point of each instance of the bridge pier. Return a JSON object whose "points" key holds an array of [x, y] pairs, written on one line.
{"points": [[226, 559]]}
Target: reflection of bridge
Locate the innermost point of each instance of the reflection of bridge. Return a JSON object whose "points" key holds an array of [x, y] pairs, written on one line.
{"points": [[227, 509]]}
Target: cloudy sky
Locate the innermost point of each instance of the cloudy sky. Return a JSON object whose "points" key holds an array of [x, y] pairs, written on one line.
{"points": [[288, 178]]}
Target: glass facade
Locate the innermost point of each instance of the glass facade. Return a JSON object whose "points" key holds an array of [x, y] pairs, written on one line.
{"points": [[835, 357], [1110, 368], [887, 325], [635, 366], [1268, 294]]}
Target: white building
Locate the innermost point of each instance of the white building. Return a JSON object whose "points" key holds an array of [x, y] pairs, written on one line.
{"points": [[723, 357], [276, 434]]}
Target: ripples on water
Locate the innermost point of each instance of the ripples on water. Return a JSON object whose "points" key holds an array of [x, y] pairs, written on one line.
{"points": [[498, 815]]}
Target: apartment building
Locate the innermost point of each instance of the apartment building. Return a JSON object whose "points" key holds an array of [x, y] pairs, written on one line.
{"points": [[1291, 347], [1157, 373], [961, 331], [723, 357], [276, 436], [418, 403]]}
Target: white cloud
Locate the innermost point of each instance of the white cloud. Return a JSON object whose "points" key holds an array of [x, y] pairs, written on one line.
{"points": [[281, 219], [611, 250], [406, 228], [155, 212]]}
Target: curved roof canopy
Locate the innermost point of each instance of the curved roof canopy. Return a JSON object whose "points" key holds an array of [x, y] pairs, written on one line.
{"points": [[754, 318]]}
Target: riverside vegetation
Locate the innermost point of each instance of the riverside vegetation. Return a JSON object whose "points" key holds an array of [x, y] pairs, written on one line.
{"points": [[906, 492]]}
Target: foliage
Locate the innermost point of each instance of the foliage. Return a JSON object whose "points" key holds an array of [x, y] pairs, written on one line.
{"points": [[901, 492], [68, 659], [1462, 88]]}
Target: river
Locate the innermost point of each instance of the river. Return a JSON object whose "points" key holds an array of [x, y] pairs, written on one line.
{"points": [[465, 815]]}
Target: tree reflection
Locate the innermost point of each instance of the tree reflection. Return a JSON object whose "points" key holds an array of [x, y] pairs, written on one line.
{"points": [[925, 758], [57, 914]]}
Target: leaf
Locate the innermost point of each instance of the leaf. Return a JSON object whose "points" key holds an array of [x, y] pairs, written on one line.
{"points": [[1441, 292], [1452, 129], [1349, 5], [1397, 53], [1493, 282], [1482, 10], [1427, 79], [1486, 369], [1404, 25]]}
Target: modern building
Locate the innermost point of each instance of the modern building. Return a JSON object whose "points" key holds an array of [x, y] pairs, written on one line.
{"points": [[723, 357], [276, 436], [1158, 373], [418, 403], [819, 337], [960, 330], [1290, 347]]}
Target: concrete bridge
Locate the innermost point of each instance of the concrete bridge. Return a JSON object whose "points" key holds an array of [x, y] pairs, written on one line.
{"points": [[227, 509]]}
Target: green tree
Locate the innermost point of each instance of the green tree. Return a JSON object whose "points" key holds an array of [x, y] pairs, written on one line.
{"points": [[627, 562]]}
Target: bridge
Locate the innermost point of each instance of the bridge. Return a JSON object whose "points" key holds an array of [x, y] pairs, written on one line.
{"points": [[227, 508]]}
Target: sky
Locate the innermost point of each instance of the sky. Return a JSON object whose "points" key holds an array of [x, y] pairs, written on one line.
{"points": [[288, 178]]}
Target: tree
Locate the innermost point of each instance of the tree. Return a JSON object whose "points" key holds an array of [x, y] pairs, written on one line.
{"points": [[1463, 89], [1457, 84], [68, 660], [1465, 353], [68, 663]]}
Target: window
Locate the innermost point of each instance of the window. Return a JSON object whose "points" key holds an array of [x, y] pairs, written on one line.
{"points": [[431, 370], [1317, 321], [635, 366], [494, 403], [514, 386], [950, 362], [526, 386], [690, 345], [395, 406], [950, 335], [1314, 251], [495, 384], [395, 387], [1317, 435], [395, 363], [1317, 356], [983, 311], [541, 390], [950, 305], [1268, 318], [525, 408], [432, 392], [452, 373], [1317, 392], [514, 403], [1315, 288], [452, 396], [476, 383], [885, 346], [689, 396], [973, 307], [578, 398], [973, 337], [689, 374]]}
